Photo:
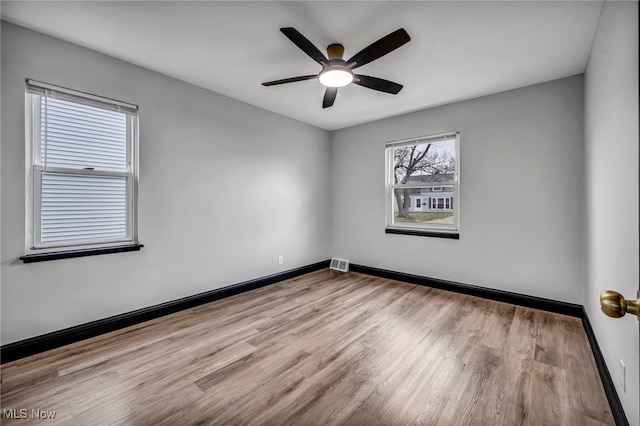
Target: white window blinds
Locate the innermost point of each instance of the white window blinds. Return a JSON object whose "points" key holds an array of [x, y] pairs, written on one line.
{"points": [[83, 208], [83, 169], [82, 136]]}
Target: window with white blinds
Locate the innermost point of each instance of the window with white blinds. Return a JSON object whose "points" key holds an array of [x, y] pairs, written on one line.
{"points": [[83, 172]]}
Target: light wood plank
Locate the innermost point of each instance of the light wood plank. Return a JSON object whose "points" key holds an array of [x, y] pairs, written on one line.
{"points": [[323, 348]]}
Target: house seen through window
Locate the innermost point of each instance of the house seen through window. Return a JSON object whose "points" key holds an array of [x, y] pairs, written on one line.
{"points": [[423, 184], [83, 169]]}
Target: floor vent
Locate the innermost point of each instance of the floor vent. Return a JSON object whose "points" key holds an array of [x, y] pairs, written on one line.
{"points": [[339, 264]]}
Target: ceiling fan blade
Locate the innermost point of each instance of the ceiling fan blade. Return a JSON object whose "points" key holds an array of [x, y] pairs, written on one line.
{"points": [[329, 97], [376, 83], [305, 45], [290, 80], [380, 48]]}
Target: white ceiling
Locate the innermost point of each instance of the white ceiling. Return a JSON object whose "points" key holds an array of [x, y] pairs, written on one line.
{"points": [[459, 50]]}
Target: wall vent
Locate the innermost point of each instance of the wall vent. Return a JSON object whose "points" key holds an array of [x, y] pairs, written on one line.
{"points": [[339, 264]]}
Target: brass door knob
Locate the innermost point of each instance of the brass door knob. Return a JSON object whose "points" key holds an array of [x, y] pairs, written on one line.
{"points": [[615, 305]]}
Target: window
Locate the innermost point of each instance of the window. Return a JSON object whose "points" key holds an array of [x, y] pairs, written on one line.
{"points": [[416, 169], [440, 203], [82, 170]]}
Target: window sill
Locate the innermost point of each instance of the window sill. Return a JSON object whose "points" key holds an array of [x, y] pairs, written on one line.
{"points": [[436, 234], [42, 257]]}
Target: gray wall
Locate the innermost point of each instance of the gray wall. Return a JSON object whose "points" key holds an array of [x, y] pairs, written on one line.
{"points": [[521, 193], [611, 123], [225, 188]]}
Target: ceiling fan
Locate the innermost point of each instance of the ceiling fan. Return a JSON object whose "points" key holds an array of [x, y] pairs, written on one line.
{"points": [[336, 72]]}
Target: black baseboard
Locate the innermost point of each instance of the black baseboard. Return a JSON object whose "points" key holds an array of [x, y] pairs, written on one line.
{"points": [[564, 308], [607, 382], [56, 339]]}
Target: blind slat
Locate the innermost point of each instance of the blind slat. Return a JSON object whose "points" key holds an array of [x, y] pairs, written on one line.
{"points": [[72, 212], [81, 136]]}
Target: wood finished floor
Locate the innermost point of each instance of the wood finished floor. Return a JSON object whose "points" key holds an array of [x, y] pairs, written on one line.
{"points": [[324, 348]]}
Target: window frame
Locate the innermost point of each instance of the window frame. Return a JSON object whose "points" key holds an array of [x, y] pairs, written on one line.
{"points": [[35, 170], [393, 227]]}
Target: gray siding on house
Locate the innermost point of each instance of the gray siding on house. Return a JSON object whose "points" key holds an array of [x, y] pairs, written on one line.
{"points": [[427, 200]]}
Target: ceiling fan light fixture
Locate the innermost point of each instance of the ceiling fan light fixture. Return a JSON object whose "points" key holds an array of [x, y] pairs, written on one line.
{"points": [[336, 72], [336, 77]]}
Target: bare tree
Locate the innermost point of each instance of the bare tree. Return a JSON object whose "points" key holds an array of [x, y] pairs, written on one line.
{"points": [[415, 159]]}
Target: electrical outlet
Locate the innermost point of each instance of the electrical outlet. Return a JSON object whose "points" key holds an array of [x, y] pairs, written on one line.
{"points": [[623, 377], [281, 260]]}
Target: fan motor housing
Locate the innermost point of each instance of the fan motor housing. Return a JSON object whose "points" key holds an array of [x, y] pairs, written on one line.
{"points": [[335, 51]]}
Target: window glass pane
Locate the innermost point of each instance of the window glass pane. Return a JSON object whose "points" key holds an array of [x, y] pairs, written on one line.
{"points": [[79, 136], [424, 162], [82, 208], [435, 208]]}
